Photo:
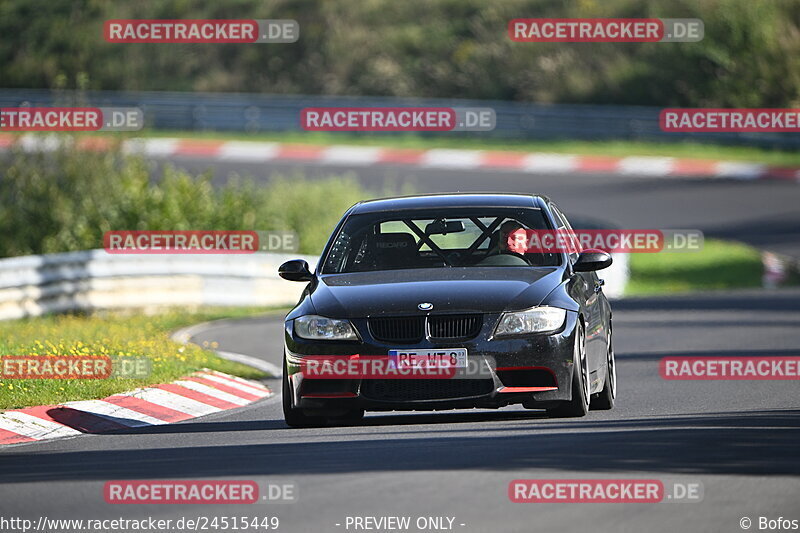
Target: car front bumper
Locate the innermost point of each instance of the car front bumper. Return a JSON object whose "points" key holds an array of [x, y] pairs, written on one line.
{"points": [[535, 370]]}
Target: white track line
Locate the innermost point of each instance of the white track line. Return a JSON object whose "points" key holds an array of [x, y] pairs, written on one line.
{"points": [[442, 158], [260, 364], [549, 163], [648, 166], [248, 151], [351, 155], [742, 171], [156, 147]]}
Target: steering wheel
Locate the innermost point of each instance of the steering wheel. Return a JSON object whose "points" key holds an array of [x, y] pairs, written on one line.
{"points": [[498, 253], [509, 252]]}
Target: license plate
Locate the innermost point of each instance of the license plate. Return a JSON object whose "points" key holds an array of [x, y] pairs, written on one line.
{"points": [[441, 358]]}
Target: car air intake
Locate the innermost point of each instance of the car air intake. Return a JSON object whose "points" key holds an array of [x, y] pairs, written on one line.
{"points": [[445, 327], [389, 390], [405, 329], [526, 377]]}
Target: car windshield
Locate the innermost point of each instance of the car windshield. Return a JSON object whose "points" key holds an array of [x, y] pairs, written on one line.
{"points": [[436, 239]]}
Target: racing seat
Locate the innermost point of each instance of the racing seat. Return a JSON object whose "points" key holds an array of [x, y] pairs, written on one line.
{"points": [[394, 250]]}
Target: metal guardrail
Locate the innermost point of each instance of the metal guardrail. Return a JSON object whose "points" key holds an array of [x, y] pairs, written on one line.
{"points": [[270, 113], [95, 280]]}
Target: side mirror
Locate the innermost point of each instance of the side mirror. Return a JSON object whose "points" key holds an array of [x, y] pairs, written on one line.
{"points": [[591, 260], [295, 270]]}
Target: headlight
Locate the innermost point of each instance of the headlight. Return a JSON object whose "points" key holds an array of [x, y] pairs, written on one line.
{"points": [[315, 327], [536, 320]]}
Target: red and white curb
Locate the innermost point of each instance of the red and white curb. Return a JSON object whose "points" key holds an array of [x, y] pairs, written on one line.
{"points": [[199, 394], [261, 152]]}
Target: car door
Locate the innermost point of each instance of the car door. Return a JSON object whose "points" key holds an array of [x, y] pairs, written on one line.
{"points": [[589, 287]]}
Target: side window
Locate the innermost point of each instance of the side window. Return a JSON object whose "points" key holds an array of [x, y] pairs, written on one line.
{"points": [[559, 221], [563, 225], [338, 255]]}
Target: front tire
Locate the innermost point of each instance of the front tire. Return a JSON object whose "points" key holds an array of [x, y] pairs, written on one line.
{"points": [[295, 417], [579, 404]]}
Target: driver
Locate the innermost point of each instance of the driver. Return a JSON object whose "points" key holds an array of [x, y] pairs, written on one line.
{"points": [[513, 238]]}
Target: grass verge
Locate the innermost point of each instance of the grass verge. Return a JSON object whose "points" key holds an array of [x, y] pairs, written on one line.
{"points": [[113, 335], [690, 150], [719, 265]]}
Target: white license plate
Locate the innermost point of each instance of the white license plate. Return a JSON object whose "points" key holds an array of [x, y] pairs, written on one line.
{"points": [[441, 358]]}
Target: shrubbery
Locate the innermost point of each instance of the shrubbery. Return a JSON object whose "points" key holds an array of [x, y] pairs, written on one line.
{"points": [[67, 199], [750, 56]]}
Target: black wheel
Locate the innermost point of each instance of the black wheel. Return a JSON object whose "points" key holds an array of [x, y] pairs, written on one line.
{"points": [[579, 404], [605, 399], [295, 417]]}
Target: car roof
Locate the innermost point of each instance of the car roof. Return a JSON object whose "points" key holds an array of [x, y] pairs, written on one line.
{"points": [[436, 201]]}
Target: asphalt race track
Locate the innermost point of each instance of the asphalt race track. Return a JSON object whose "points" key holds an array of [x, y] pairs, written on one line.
{"points": [[738, 439]]}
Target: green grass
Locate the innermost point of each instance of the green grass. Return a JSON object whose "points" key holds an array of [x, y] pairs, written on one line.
{"points": [[720, 265], [114, 335], [599, 148]]}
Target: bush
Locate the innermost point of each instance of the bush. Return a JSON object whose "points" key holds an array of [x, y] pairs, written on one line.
{"points": [[750, 56], [67, 199]]}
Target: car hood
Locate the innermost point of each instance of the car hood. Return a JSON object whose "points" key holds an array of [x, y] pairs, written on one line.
{"points": [[399, 292]]}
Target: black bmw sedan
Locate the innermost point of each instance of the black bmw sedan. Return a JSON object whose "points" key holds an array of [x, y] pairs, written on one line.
{"points": [[434, 302]]}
